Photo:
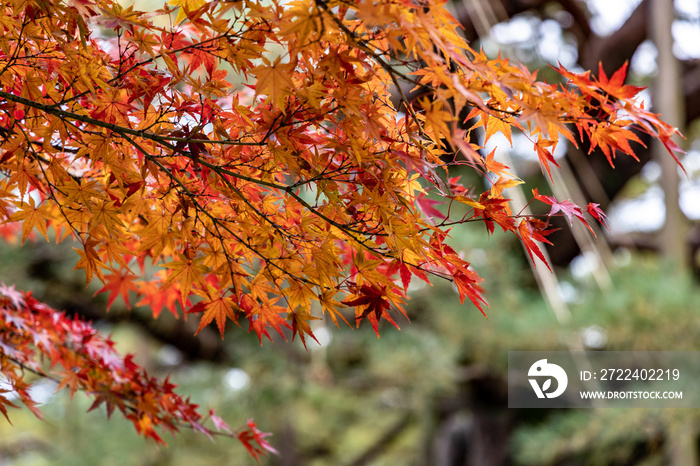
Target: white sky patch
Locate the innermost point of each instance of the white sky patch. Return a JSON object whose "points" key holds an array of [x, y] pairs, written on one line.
{"points": [[584, 266], [323, 336], [644, 59], [609, 15], [237, 379], [651, 172], [690, 199], [169, 355], [688, 7], [691, 162], [552, 46], [42, 391], [644, 97], [645, 213], [686, 36], [594, 337], [568, 292], [517, 30]]}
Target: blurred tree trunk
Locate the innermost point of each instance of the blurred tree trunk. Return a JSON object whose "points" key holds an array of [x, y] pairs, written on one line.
{"points": [[681, 445], [681, 448], [668, 101]]}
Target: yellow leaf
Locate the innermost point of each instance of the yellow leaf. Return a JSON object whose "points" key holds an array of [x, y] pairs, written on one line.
{"points": [[275, 81], [494, 125], [186, 6], [106, 215], [330, 305], [33, 216], [469, 201], [219, 310], [186, 272], [90, 260]]}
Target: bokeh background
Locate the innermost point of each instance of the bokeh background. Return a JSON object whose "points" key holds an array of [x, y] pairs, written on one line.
{"points": [[434, 393]]}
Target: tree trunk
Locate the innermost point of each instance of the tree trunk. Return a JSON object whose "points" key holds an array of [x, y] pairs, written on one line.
{"points": [[668, 102]]}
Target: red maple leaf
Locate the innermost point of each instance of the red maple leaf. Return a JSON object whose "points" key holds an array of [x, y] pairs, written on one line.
{"points": [[566, 207], [117, 284], [254, 441], [494, 209], [615, 86], [595, 212], [370, 302], [15, 296], [531, 230], [428, 206], [219, 423]]}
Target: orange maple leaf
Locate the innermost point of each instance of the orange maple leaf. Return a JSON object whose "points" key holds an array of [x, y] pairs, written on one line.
{"points": [[33, 216], [185, 272], [275, 81], [90, 260], [220, 309], [529, 231]]}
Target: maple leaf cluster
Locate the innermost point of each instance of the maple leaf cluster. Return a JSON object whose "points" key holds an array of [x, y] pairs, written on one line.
{"points": [[38, 340], [252, 153]]}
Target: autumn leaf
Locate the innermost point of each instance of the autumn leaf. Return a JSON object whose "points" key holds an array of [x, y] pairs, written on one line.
{"points": [[531, 230], [427, 205], [370, 303], [185, 272], [73, 381], [436, 120], [545, 156], [615, 86], [491, 209], [116, 284], [254, 440], [105, 215], [93, 366], [491, 165], [405, 276], [4, 403], [156, 298], [274, 80], [90, 260], [262, 316], [300, 325], [467, 283], [185, 7], [495, 125], [594, 210], [220, 310], [32, 216], [218, 422], [568, 208], [331, 306]]}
